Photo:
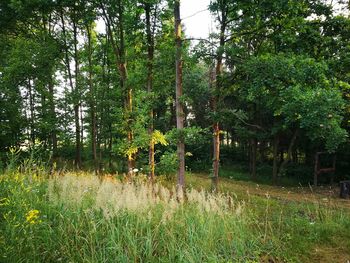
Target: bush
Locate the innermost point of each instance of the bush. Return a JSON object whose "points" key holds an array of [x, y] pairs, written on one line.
{"points": [[168, 164]]}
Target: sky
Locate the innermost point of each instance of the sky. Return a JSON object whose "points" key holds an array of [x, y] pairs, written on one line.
{"points": [[196, 18]]}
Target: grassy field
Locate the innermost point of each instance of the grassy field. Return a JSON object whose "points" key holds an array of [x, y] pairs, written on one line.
{"points": [[78, 217]]}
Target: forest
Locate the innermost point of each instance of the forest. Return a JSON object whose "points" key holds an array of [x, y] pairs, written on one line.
{"points": [[125, 139]]}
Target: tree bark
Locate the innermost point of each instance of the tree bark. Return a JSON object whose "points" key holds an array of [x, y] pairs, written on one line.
{"points": [[53, 117], [218, 84], [254, 148], [150, 51], [92, 101], [50, 84], [179, 105], [275, 158], [75, 99], [289, 152], [32, 111], [73, 88], [125, 86]]}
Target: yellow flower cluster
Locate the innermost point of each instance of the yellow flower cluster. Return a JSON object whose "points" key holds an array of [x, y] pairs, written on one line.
{"points": [[32, 216]]}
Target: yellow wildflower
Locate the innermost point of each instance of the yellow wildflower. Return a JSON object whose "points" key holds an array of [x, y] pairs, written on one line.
{"points": [[32, 216]]}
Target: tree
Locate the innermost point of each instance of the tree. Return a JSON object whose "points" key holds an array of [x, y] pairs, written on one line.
{"points": [[75, 89], [293, 92], [179, 105], [150, 57]]}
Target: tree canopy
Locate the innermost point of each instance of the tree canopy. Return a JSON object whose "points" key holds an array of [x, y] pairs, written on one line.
{"points": [[93, 82]]}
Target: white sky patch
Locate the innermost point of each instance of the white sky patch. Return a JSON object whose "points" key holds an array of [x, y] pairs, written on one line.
{"points": [[196, 18], [100, 26]]}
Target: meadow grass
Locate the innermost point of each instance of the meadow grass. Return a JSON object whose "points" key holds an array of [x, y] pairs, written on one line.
{"points": [[81, 218]]}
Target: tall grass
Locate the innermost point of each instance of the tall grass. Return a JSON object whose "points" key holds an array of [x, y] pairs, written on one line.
{"points": [[81, 218]]}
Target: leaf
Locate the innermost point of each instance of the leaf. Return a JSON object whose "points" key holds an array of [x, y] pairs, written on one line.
{"points": [[158, 137]]}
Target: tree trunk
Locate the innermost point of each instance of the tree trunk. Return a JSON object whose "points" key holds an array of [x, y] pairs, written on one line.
{"points": [[218, 84], [275, 158], [282, 155], [73, 89], [92, 101], [120, 54], [110, 144], [254, 147], [53, 118], [289, 152], [76, 100], [32, 111], [150, 49], [295, 156], [316, 168], [81, 125], [50, 84], [125, 86], [216, 154], [179, 106]]}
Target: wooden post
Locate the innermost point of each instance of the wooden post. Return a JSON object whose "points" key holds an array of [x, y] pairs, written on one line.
{"points": [[319, 170]]}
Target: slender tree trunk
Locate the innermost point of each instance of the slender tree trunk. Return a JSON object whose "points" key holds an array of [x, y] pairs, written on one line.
{"points": [[131, 156], [125, 86], [105, 110], [254, 146], [50, 84], [120, 54], [44, 137], [70, 79], [81, 118], [110, 144], [150, 49], [179, 106], [53, 118], [109, 39], [32, 112], [289, 152], [218, 84], [282, 155], [295, 156], [275, 158], [316, 168], [216, 153], [92, 101], [75, 99], [262, 150]]}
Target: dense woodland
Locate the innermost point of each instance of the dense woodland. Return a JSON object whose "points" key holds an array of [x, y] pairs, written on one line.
{"points": [[117, 85], [125, 139]]}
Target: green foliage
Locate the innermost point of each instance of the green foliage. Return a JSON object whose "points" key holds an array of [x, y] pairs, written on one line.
{"points": [[295, 92], [285, 69], [191, 135], [318, 112], [168, 164]]}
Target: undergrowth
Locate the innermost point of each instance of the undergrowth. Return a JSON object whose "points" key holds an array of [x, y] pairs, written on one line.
{"points": [[83, 218]]}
